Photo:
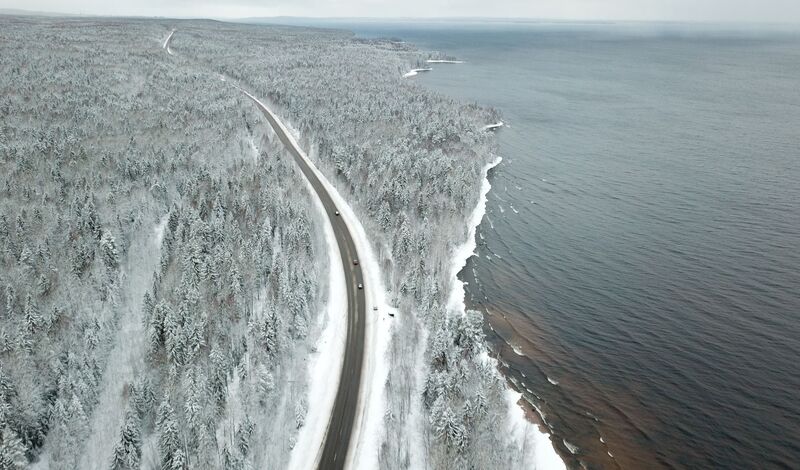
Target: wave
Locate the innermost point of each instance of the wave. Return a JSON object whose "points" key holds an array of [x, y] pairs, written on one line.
{"points": [[572, 448]]}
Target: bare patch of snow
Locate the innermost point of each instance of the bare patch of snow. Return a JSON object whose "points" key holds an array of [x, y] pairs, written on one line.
{"points": [[159, 230], [126, 359], [253, 150]]}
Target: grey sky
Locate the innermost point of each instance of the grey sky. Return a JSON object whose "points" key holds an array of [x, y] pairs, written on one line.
{"points": [[668, 10]]}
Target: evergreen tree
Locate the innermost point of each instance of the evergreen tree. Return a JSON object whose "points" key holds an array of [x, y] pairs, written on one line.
{"points": [[128, 451], [168, 438], [32, 316], [109, 250], [10, 301], [147, 308], [42, 285], [12, 451]]}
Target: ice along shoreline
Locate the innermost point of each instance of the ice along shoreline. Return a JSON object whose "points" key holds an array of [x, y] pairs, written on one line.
{"points": [[526, 433]]}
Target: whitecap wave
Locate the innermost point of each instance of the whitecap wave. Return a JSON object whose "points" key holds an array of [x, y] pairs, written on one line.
{"points": [[573, 449]]}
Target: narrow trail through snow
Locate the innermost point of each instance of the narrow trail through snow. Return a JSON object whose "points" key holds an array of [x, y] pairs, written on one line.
{"points": [[126, 358], [166, 42]]}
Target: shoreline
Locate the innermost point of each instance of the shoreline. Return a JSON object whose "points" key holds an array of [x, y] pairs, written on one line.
{"points": [[526, 433], [414, 72]]}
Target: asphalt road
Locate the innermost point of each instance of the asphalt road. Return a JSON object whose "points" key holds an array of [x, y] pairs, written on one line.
{"points": [[337, 438], [343, 415]]}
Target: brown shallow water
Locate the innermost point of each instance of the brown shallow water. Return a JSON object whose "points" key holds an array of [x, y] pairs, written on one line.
{"points": [[554, 407]]}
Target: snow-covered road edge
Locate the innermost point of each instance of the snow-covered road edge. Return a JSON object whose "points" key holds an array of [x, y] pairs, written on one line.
{"points": [[526, 434], [368, 427], [324, 369]]}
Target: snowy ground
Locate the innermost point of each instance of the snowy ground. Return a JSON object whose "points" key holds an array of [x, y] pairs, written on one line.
{"points": [[367, 431], [537, 450], [443, 61], [126, 359]]}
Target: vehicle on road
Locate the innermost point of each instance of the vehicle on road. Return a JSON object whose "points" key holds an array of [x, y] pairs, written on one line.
{"points": [[360, 286], [336, 212], [355, 262]]}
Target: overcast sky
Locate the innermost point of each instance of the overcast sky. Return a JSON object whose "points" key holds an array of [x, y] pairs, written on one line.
{"points": [[668, 10]]}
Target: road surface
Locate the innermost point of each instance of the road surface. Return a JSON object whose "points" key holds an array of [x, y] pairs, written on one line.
{"points": [[337, 437], [343, 415]]}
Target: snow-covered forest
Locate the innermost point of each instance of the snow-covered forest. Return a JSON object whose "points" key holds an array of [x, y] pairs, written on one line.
{"points": [[162, 261], [410, 162], [159, 259]]}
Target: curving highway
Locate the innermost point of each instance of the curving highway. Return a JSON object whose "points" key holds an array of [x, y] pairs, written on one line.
{"points": [[337, 437], [343, 415]]}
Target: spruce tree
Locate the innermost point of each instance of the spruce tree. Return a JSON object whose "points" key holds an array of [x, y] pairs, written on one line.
{"points": [[109, 250], [12, 451], [168, 437], [128, 451]]}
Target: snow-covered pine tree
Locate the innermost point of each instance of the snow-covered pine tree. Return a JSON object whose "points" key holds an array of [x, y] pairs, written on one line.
{"points": [[12, 451], [169, 443], [128, 451], [108, 246]]}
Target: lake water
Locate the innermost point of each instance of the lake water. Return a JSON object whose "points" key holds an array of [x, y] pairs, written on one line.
{"points": [[641, 248], [642, 241]]}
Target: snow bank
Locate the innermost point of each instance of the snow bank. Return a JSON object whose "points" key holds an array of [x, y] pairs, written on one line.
{"points": [[455, 301], [526, 434], [368, 427], [325, 366], [496, 125], [413, 72], [158, 230]]}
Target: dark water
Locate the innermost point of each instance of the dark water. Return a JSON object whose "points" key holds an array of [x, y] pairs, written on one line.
{"points": [[642, 241]]}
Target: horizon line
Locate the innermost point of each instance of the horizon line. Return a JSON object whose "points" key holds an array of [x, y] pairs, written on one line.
{"points": [[471, 18]]}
